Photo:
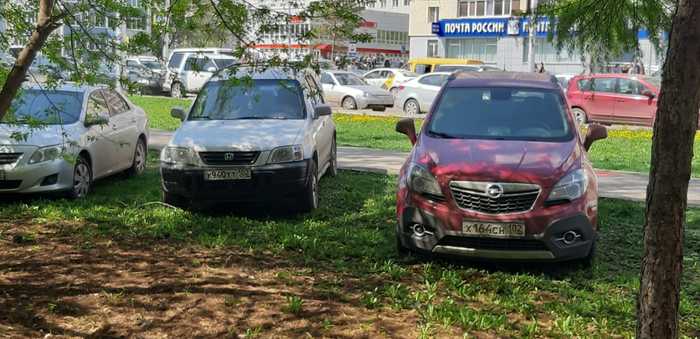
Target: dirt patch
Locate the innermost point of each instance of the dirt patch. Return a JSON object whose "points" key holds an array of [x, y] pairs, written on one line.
{"points": [[53, 284]]}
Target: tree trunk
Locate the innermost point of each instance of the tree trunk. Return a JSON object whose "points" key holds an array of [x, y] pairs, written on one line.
{"points": [[672, 152], [43, 29]]}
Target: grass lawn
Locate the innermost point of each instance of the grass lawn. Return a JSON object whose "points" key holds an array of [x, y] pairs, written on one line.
{"points": [[625, 149], [118, 265]]}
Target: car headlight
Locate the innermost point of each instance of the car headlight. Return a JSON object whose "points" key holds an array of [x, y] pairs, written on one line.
{"points": [[178, 156], [571, 186], [47, 154], [286, 154], [421, 181]]}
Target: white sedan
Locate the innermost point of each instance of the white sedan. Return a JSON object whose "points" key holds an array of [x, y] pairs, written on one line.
{"points": [[389, 78], [417, 96]]}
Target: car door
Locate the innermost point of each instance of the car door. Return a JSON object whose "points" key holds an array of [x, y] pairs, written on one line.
{"points": [[374, 78], [100, 140], [323, 125], [331, 88], [123, 121], [631, 105], [197, 72], [428, 88], [600, 102]]}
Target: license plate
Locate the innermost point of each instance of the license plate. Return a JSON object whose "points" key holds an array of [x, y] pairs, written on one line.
{"points": [[3, 175], [228, 174], [495, 230]]}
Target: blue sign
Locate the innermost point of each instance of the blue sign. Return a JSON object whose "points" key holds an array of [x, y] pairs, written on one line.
{"points": [[488, 27]]}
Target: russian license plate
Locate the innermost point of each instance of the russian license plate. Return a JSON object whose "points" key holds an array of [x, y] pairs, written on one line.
{"points": [[228, 174], [3, 176], [495, 230]]}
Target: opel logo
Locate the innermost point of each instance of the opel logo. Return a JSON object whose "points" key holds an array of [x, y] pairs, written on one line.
{"points": [[494, 191], [229, 156]]}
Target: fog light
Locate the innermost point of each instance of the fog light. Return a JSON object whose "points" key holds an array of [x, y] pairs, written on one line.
{"points": [[50, 180], [420, 230], [570, 237]]}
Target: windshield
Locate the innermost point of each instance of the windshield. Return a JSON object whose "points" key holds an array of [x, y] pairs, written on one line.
{"points": [[502, 114], [223, 63], [45, 107], [154, 65], [259, 99], [349, 79]]}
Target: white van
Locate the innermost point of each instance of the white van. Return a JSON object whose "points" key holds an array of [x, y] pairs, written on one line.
{"points": [[188, 69]]}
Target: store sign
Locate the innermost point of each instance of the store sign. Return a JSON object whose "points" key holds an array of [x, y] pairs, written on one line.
{"points": [[488, 27]]}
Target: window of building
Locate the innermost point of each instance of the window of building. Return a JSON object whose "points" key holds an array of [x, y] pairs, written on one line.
{"points": [[484, 49], [479, 8], [432, 48], [406, 2], [136, 23], [395, 3], [546, 52], [433, 14]]}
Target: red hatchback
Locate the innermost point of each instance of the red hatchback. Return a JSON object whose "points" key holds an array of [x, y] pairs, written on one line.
{"points": [[499, 171], [614, 98]]}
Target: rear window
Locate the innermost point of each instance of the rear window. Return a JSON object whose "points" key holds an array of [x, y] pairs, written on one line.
{"points": [[501, 114], [584, 85], [260, 99]]}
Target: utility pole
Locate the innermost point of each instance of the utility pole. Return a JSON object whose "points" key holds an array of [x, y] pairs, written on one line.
{"points": [[532, 34]]}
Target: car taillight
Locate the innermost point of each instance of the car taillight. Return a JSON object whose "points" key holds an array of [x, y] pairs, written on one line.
{"points": [[401, 88]]}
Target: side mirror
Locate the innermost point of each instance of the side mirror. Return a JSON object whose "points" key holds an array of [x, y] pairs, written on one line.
{"points": [[649, 94], [407, 126], [211, 69], [322, 110], [595, 132], [178, 113], [94, 120]]}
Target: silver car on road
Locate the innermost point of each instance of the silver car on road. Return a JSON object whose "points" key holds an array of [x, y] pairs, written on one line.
{"points": [[62, 139], [352, 92], [417, 95]]}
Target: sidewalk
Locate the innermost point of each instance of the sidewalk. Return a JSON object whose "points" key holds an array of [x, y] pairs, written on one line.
{"points": [[611, 184]]}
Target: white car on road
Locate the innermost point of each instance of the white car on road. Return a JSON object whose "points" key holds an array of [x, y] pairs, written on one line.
{"points": [[62, 139], [266, 140], [417, 95], [189, 69], [352, 92], [393, 77]]}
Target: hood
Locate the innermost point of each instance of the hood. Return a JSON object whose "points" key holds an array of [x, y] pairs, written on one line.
{"points": [[41, 136], [543, 163], [371, 90], [243, 135]]}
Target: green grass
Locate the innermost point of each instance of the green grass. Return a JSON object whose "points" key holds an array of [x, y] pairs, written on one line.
{"points": [[625, 149], [351, 238]]}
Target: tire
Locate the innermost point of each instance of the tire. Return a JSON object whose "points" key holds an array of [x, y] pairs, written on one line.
{"points": [[580, 116], [176, 90], [333, 165], [175, 200], [586, 262], [138, 165], [82, 179], [349, 103], [308, 201], [379, 109], [402, 250], [411, 107]]}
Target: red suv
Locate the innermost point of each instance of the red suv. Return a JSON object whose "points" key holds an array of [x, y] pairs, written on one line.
{"points": [[614, 98], [499, 171]]}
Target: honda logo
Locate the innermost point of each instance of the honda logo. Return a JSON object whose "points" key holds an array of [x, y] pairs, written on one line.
{"points": [[494, 191], [229, 156]]}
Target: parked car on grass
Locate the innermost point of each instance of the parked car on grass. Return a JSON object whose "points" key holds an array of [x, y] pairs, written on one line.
{"points": [[499, 171], [352, 92], [614, 98], [268, 141], [189, 69], [417, 95], [63, 139], [388, 78], [145, 71]]}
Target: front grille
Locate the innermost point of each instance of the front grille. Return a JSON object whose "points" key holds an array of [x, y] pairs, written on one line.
{"points": [[515, 198], [494, 243], [9, 184], [229, 158], [9, 158]]}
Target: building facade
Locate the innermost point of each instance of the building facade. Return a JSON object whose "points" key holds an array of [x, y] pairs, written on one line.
{"points": [[385, 21], [495, 32]]}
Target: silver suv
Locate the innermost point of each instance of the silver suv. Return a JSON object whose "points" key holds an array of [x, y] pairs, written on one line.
{"points": [[189, 69], [268, 139]]}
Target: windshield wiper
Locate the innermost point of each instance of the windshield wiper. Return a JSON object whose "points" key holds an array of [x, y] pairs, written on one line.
{"points": [[443, 135], [260, 118]]}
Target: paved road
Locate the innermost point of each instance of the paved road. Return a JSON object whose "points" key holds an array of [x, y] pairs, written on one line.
{"points": [[611, 184]]}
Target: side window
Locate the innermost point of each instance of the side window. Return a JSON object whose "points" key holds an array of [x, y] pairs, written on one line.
{"points": [[386, 74], [97, 105], [175, 60], [192, 64], [373, 75], [326, 79], [432, 80], [116, 103], [585, 85], [131, 63], [629, 86], [604, 85], [313, 90]]}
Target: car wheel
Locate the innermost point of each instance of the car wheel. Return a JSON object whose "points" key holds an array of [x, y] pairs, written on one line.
{"points": [[333, 165], [411, 107], [580, 116], [82, 179], [176, 90], [349, 103], [587, 261], [402, 250], [379, 109], [174, 200], [138, 165], [309, 197]]}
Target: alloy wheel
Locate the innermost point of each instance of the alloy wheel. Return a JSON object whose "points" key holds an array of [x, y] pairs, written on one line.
{"points": [[140, 158], [81, 180], [411, 107], [349, 103]]}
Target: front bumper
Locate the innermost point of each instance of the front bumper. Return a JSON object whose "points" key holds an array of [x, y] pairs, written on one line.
{"points": [[375, 101], [269, 182], [50, 176], [546, 246]]}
